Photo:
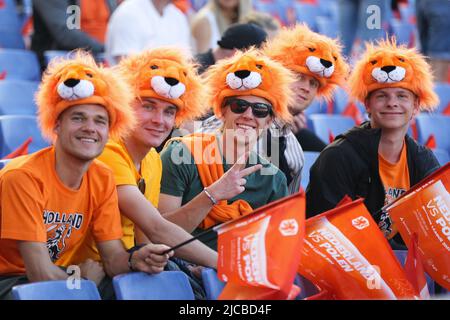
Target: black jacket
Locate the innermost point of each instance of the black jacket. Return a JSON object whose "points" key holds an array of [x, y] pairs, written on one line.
{"points": [[349, 166]]}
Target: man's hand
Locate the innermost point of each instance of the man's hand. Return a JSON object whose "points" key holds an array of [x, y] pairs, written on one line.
{"points": [[232, 182], [92, 270], [299, 122], [150, 258]]}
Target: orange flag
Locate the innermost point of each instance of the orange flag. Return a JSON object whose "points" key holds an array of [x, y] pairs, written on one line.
{"points": [[431, 142], [414, 269], [346, 255], [425, 210], [352, 111], [259, 253]]}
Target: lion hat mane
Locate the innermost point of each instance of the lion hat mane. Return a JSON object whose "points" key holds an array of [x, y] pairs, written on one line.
{"points": [[167, 74], [251, 73], [387, 65], [302, 50], [79, 80]]}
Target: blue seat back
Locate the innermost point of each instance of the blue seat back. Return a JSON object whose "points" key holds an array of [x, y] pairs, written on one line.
{"points": [[19, 64], [213, 285], [442, 155], [443, 91], [402, 31], [324, 124], [327, 26], [9, 18], [11, 39], [17, 97], [167, 285], [56, 290], [310, 158], [438, 125], [307, 13], [15, 130]]}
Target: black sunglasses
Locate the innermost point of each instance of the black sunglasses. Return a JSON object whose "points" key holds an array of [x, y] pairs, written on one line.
{"points": [[259, 109], [141, 185]]}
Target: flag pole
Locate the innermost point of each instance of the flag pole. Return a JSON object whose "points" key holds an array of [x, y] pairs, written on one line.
{"points": [[204, 233]]}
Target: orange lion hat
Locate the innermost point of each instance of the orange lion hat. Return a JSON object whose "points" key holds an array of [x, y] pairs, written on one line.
{"points": [[165, 73], [302, 50], [79, 80], [390, 66], [251, 73]]}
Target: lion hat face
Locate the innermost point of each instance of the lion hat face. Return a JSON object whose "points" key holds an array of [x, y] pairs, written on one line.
{"points": [[302, 50], [165, 73], [79, 80], [387, 65], [251, 73]]}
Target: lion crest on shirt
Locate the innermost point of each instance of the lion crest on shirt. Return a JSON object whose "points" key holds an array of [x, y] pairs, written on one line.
{"points": [[56, 239]]}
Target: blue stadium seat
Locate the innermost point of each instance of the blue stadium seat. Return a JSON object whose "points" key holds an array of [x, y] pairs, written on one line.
{"points": [[213, 285], [324, 124], [310, 158], [51, 54], [56, 290], [327, 26], [19, 65], [167, 285], [3, 163], [401, 257], [9, 18], [402, 31], [316, 106], [11, 39], [438, 125], [17, 97], [443, 91], [340, 100], [305, 12], [442, 156], [15, 130]]}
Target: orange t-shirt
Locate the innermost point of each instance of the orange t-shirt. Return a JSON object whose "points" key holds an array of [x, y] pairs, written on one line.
{"points": [[395, 179], [36, 206], [94, 18], [395, 176]]}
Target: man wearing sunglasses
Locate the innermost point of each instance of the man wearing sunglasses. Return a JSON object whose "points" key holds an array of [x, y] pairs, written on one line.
{"points": [[221, 172], [303, 52], [167, 91]]}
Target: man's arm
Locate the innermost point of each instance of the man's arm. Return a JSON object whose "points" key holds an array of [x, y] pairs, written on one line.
{"points": [[38, 265], [192, 213], [147, 259], [138, 209]]}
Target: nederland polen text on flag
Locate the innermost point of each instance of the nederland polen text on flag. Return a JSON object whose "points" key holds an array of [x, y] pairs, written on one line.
{"points": [[346, 254], [424, 210], [259, 253]]}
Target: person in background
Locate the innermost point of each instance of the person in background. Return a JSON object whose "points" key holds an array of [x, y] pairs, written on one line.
{"points": [[214, 18], [53, 31], [264, 21], [137, 25]]}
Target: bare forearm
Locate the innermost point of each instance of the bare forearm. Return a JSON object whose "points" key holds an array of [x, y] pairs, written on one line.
{"points": [[196, 252], [191, 214], [50, 272], [117, 264]]}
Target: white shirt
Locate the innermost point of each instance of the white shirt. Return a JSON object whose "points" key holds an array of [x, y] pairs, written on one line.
{"points": [[136, 25]]}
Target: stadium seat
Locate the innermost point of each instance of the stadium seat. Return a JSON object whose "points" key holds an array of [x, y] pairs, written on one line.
{"points": [[9, 18], [11, 39], [310, 158], [326, 126], [401, 257], [443, 91], [436, 125], [305, 12], [51, 54], [167, 285], [317, 106], [212, 284], [56, 290], [403, 31], [327, 26], [19, 65], [3, 163], [17, 97], [442, 156], [15, 130], [340, 100]]}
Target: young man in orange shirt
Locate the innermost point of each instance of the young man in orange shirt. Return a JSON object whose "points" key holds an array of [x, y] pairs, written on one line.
{"points": [[378, 161], [50, 199]]}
